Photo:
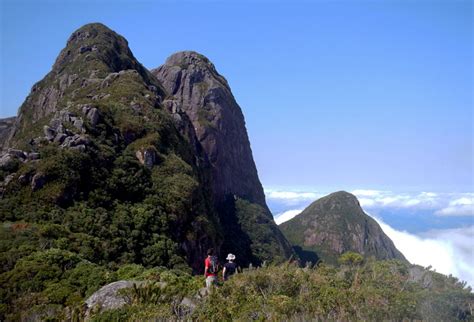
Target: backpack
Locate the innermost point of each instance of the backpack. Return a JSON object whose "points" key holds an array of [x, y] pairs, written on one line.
{"points": [[213, 265]]}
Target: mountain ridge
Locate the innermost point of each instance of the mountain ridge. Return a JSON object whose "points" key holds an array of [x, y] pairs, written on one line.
{"points": [[101, 105]]}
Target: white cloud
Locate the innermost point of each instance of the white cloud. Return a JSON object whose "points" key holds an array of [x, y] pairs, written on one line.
{"points": [[287, 215], [458, 207], [448, 251], [442, 204], [291, 198]]}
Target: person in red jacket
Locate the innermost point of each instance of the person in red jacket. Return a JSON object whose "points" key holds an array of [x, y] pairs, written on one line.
{"points": [[211, 267]]}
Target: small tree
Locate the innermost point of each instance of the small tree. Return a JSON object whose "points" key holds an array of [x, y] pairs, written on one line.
{"points": [[351, 259]]}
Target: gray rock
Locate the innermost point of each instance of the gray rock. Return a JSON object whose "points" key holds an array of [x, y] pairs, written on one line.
{"points": [[17, 153], [86, 108], [7, 161], [202, 293], [93, 116], [49, 133], [109, 79], [80, 140], [420, 275], [33, 156], [60, 138], [80, 147], [107, 298], [84, 49], [8, 179], [67, 142], [38, 181], [79, 124], [177, 119], [6, 127], [148, 157], [136, 107], [186, 307], [61, 128], [24, 178]]}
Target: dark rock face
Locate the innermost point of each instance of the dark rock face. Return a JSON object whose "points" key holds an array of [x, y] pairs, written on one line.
{"points": [[199, 93], [336, 224], [207, 100], [6, 126]]}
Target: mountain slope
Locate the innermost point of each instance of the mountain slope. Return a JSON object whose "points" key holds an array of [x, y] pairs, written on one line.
{"points": [[198, 90], [93, 150], [79, 75], [336, 224], [100, 147]]}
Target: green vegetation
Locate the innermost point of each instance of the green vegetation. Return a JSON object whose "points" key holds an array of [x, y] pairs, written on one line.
{"points": [[370, 290], [101, 214]]}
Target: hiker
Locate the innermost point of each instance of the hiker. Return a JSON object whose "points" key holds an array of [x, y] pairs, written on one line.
{"points": [[211, 267], [229, 267]]}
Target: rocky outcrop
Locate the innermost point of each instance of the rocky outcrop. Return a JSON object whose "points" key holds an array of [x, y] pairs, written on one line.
{"points": [[109, 298], [206, 98], [6, 126], [199, 93], [69, 80], [337, 224]]}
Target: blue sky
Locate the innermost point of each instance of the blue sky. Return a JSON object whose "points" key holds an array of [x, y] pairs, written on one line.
{"points": [[343, 94]]}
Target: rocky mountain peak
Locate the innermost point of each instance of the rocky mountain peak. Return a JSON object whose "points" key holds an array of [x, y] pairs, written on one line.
{"points": [[96, 48], [197, 90], [95, 58], [336, 224], [340, 200], [204, 95]]}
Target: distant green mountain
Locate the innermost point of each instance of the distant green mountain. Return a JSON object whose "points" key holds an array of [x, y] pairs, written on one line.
{"points": [[336, 224]]}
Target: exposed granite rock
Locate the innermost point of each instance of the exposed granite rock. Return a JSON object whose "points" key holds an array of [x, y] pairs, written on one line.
{"points": [[38, 181], [207, 100], [11, 157], [108, 297], [6, 126], [147, 157], [91, 113], [200, 95], [70, 78], [336, 224], [49, 133]]}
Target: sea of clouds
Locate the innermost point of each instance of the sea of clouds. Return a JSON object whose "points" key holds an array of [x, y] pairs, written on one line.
{"points": [[448, 251]]}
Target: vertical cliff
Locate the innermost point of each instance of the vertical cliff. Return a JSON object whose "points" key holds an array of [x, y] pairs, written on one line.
{"points": [[197, 89]]}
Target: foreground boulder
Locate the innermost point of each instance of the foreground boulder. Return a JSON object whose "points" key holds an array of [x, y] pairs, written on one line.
{"points": [[108, 297]]}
